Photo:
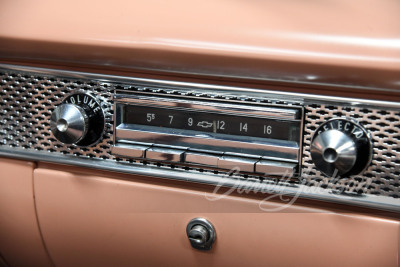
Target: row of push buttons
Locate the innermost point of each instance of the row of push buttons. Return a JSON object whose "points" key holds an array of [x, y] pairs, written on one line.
{"points": [[219, 160]]}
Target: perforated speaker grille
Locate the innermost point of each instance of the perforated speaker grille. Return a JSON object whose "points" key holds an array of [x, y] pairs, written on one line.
{"points": [[27, 104], [28, 99], [382, 176]]}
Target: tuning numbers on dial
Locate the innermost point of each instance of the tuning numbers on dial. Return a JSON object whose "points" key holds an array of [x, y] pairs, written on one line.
{"points": [[243, 127], [171, 118], [151, 117], [190, 121], [267, 129], [221, 125]]}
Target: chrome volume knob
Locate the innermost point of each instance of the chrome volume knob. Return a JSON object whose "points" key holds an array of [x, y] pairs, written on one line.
{"points": [[69, 123], [341, 147], [78, 120]]}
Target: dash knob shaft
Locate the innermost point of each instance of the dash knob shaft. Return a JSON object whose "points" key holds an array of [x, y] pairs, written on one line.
{"points": [[341, 147], [201, 233], [78, 120]]}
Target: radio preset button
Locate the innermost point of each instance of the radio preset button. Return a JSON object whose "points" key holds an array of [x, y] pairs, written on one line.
{"points": [[164, 154], [130, 151], [270, 167], [238, 163], [204, 159]]}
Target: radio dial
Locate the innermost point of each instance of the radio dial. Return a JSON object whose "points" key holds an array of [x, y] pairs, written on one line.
{"points": [[341, 147], [78, 120]]}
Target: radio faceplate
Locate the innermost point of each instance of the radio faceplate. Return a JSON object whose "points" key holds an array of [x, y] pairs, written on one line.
{"points": [[263, 139], [31, 95]]}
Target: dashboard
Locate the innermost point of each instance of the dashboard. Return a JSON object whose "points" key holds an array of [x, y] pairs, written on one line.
{"points": [[190, 133]]}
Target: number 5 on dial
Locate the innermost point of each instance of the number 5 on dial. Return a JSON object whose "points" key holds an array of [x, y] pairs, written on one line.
{"points": [[150, 116]]}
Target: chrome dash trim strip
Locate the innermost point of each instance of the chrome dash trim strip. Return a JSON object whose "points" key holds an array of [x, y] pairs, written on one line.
{"points": [[306, 98], [313, 193]]}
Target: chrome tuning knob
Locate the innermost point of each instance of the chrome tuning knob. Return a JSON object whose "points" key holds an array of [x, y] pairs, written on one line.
{"points": [[341, 147], [78, 120]]}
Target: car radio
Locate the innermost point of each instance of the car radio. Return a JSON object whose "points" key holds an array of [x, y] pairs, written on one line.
{"points": [[334, 149]]}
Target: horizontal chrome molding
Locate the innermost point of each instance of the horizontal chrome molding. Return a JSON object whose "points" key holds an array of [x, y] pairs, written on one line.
{"points": [[301, 80], [313, 193], [306, 98]]}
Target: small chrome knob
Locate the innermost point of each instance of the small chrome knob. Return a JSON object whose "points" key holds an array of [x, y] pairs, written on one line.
{"points": [[334, 151], [201, 233], [69, 123], [341, 147], [198, 234]]}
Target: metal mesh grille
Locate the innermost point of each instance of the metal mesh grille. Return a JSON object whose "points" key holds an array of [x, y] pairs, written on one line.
{"points": [[27, 101], [382, 176]]}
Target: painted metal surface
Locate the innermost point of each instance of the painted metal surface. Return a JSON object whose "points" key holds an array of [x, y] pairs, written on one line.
{"points": [[20, 238], [330, 42], [89, 220]]}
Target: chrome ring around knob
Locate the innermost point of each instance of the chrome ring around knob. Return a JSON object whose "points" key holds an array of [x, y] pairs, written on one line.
{"points": [[69, 123], [341, 147], [201, 233], [334, 153]]}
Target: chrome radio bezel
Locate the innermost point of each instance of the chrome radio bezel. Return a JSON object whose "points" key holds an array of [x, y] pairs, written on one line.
{"points": [[216, 150]]}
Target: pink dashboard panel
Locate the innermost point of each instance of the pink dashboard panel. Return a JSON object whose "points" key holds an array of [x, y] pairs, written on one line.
{"points": [[114, 132], [21, 242], [96, 220], [353, 44]]}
